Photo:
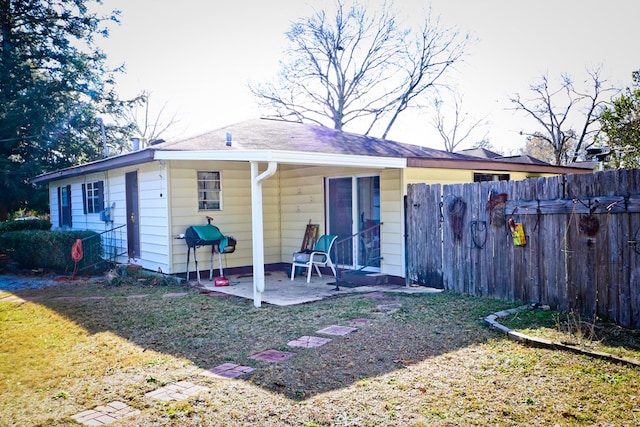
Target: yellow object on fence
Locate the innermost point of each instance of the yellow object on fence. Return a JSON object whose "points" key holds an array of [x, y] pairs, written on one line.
{"points": [[517, 233]]}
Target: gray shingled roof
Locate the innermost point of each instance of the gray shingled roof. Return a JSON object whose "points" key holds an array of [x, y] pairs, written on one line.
{"points": [[270, 134]]}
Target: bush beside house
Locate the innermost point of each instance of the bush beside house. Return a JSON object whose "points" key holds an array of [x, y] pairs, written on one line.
{"points": [[31, 244]]}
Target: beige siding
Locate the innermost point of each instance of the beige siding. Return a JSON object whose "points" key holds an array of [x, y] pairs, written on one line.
{"points": [[302, 201], [234, 218], [392, 218]]}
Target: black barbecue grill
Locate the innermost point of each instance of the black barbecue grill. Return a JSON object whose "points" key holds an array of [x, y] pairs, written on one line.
{"points": [[207, 235]]}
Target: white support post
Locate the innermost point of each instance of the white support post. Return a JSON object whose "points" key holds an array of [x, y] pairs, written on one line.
{"points": [[257, 224]]}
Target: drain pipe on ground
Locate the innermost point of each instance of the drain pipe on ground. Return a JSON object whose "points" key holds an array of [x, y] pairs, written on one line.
{"points": [[257, 223]]}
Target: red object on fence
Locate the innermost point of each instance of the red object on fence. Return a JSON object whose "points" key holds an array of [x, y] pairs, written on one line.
{"points": [[76, 251], [76, 255]]}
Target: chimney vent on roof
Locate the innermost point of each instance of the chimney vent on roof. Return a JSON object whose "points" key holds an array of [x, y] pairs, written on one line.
{"points": [[228, 139], [136, 144]]}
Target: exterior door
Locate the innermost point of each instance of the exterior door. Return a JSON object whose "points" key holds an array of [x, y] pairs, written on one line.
{"points": [[354, 207], [133, 223]]}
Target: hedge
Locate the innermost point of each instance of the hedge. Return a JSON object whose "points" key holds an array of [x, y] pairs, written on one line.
{"points": [[50, 249], [26, 224]]}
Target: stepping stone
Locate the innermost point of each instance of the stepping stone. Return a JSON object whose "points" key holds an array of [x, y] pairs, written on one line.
{"points": [[228, 370], [136, 296], [272, 356], [175, 295], [308, 342], [386, 307], [337, 330], [104, 415], [179, 391], [94, 298]]}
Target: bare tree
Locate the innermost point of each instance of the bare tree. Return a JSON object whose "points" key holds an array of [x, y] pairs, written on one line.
{"points": [[557, 110], [359, 68], [143, 122], [461, 126]]}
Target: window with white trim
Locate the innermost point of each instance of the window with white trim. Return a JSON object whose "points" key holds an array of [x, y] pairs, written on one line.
{"points": [[93, 197], [209, 191]]}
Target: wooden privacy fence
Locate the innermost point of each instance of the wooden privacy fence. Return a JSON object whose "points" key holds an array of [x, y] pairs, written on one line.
{"points": [[580, 248]]}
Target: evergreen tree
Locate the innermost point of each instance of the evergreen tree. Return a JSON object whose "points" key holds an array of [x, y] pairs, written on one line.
{"points": [[54, 84]]}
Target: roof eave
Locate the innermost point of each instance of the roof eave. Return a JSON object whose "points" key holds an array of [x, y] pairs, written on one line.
{"points": [[286, 157], [129, 159], [493, 165]]}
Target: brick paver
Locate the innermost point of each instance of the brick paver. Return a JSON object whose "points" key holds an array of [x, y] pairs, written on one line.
{"points": [[179, 391], [308, 342], [228, 370], [272, 356], [104, 415]]}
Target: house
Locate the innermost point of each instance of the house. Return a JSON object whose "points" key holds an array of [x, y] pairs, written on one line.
{"points": [[262, 181]]}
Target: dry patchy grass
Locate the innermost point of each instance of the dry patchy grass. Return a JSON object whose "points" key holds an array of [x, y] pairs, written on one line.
{"points": [[430, 362]]}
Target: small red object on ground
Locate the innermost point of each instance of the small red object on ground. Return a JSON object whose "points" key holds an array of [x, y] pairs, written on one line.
{"points": [[220, 281]]}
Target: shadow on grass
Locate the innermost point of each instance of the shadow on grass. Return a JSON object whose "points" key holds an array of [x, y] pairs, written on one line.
{"points": [[209, 330]]}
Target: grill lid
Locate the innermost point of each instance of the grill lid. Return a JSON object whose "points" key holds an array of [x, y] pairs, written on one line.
{"points": [[207, 232]]}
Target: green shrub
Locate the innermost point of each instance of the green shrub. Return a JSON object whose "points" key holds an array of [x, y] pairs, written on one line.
{"points": [[51, 249], [26, 224]]}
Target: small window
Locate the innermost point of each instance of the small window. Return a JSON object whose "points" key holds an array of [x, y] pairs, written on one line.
{"points": [[209, 191], [64, 206], [93, 196], [481, 177]]}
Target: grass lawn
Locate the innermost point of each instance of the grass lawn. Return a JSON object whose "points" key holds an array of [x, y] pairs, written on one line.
{"points": [[430, 362]]}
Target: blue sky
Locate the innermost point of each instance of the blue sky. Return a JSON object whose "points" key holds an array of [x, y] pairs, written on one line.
{"points": [[197, 57]]}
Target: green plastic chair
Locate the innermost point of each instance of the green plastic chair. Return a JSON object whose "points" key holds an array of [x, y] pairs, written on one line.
{"points": [[320, 256]]}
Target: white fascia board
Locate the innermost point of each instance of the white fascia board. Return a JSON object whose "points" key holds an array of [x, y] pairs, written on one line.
{"points": [[290, 157]]}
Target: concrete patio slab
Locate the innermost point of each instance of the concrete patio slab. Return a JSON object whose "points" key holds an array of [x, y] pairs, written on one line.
{"points": [[281, 290]]}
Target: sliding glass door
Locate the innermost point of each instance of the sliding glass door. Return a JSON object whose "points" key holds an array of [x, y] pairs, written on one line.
{"points": [[353, 210]]}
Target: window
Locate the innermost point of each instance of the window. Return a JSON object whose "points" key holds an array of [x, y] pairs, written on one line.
{"points": [[93, 196], [480, 177], [209, 191], [64, 206]]}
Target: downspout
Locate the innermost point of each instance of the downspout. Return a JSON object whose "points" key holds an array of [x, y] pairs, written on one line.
{"points": [[257, 225]]}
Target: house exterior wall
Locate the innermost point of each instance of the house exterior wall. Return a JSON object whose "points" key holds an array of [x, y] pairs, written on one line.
{"points": [[152, 200], [392, 218], [293, 197], [233, 219], [303, 201]]}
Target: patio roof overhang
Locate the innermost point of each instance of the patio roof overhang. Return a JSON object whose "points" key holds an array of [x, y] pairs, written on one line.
{"points": [[286, 157]]}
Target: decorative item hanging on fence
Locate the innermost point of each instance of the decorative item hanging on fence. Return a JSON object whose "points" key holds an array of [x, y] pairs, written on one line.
{"points": [[517, 232], [456, 209], [495, 206], [589, 225]]}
